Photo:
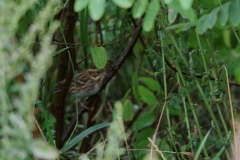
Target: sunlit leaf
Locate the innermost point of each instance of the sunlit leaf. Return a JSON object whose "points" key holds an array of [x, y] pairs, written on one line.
{"points": [[223, 14], [99, 56], [186, 4], [187, 13], [143, 121], [234, 12], [80, 5], [168, 1], [96, 9], [147, 96], [172, 15], [139, 8], [202, 24], [128, 110], [212, 17], [123, 3], [151, 14]]}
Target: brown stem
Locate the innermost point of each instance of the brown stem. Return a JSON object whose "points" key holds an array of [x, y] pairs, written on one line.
{"points": [[99, 31], [119, 63], [59, 107]]}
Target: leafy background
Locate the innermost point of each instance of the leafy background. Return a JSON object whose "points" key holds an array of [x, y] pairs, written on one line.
{"points": [[166, 82]]}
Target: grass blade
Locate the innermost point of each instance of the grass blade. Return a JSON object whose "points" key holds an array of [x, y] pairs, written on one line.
{"points": [[85, 133], [202, 144]]}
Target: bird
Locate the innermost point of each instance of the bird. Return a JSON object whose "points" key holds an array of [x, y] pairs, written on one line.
{"points": [[88, 83]]}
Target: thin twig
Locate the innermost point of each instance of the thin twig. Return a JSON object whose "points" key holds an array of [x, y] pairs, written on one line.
{"points": [[39, 128], [160, 152], [71, 44], [231, 107]]}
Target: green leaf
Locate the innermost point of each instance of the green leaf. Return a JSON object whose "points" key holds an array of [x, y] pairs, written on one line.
{"points": [[189, 13], [135, 87], [142, 138], [212, 17], [186, 4], [183, 148], [172, 15], [128, 110], [123, 3], [168, 1], [230, 70], [147, 96], [126, 95], [223, 14], [85, 133], [163, 146], [201, 145], [207, 21], [234, 12], [61, 50], [99, 56], [237, 69], [143, 121], [151, 14], [96, 9], [202, 24], [151, 83], [179, 25], [175, 108], [80, 5], [189, 25], [139, 8], [216, 157]]}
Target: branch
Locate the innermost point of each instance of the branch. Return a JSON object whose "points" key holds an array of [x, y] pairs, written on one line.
{"points": [[119, 63], [59, 107]]}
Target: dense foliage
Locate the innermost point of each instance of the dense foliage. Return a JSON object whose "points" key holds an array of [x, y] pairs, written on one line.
{"points": [[170, 89]]}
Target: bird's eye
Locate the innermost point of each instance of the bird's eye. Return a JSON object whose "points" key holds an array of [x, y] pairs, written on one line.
{"points": [[98, 72]]}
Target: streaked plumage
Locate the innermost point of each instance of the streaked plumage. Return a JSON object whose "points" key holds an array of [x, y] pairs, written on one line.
{"points": [[88, 83]]}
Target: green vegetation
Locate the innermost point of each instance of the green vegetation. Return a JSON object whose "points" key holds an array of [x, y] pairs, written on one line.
{"points": [[164, 79]]}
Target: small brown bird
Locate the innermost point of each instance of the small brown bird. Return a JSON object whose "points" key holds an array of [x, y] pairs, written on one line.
{"points": [[88, 83]]}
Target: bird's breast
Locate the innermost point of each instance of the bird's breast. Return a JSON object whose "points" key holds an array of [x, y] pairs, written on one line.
{"points": [[87, 92]]}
